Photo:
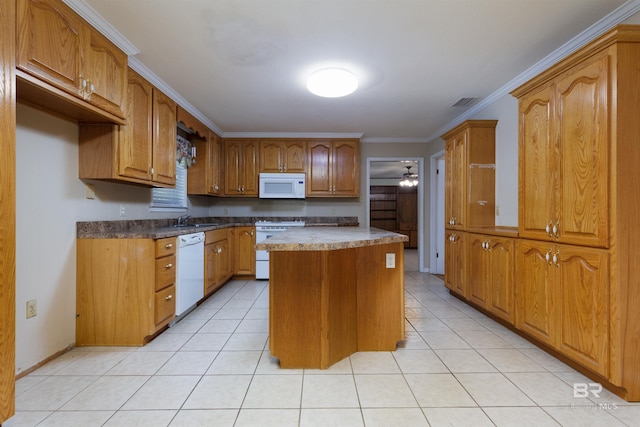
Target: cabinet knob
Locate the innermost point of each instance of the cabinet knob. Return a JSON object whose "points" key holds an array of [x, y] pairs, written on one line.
{"points": [[548, 256], [556, 228], [555, 258], [168, 245], [168, 266], [216, 187], [168, 297], [219, 250]]}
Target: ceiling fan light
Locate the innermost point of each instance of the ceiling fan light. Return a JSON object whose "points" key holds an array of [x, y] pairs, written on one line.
{"points": [[332, 83], [409, 179]]}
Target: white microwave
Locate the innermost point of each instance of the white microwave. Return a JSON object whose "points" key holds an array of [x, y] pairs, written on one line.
{"points": [[282, 186]]}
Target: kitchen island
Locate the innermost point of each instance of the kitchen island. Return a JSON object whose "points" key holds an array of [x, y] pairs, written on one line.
{"points": [[334, 291]]}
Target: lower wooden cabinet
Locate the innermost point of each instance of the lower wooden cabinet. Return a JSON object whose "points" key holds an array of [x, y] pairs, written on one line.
{"points": [[563, 300], [491, 274], [125, 290], [455, 262], [244, 251], [218, 266]]}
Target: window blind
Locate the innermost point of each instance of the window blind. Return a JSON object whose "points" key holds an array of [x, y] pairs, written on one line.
{"points": [[172, 198]]}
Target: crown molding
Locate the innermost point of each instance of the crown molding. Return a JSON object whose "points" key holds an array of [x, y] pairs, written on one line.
{"points": [[297, 135], [96, 20], [600, 27], [150, 76]]}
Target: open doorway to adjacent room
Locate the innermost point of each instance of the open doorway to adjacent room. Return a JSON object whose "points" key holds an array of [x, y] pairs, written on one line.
{"points": [[396, 207]]}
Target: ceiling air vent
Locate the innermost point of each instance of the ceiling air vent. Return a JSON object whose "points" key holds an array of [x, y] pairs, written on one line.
{"points": [[464, 102]]}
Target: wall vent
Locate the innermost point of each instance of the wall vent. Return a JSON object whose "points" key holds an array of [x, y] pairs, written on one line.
{"points": [[464, 102]]}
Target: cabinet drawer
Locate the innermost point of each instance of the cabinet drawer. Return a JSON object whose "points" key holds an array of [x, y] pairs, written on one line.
{"points": [[165, 272], [165, 247], [165, 304], [216, 235]]}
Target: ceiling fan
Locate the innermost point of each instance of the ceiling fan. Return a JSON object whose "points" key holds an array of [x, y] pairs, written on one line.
{"points": [[409, 179]]}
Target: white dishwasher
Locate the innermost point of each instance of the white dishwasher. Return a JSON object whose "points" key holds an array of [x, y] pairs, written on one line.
{"points": [[189, 271]]}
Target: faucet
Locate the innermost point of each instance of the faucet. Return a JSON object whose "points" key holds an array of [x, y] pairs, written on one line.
{"points": [[182, 220]]}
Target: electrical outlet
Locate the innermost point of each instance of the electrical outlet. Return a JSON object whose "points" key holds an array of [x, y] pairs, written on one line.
{"points": [[497, 210], [391, 260], [123, 211], [32, 308]]}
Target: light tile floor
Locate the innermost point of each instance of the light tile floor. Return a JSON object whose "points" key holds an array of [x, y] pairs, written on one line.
{"points": [[213, 368]]}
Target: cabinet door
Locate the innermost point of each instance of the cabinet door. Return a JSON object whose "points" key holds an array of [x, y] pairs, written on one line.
{"points": [[250, 168], [346, 168], [271, 159], [105, 67], [164, 139], [454, 260], [295, 156], [478, 269], [502, 277], [583, 318], [536, 165], [244, 251], [455, 181], [224, 260], [318, 170], [232, 168], [49, 43], [582, 112], [536, 294], [136, 137], [213, 167]]}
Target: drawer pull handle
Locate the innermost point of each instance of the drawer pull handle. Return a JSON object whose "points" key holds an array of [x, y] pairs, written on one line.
{"points": [[168, 265], [168, 245], [168, 297]]}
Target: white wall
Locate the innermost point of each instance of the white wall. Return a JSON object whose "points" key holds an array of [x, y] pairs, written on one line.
{"points": [[49, 200]]}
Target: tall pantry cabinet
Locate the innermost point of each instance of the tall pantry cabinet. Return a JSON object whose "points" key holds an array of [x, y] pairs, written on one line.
{"points": [[578, 266]]}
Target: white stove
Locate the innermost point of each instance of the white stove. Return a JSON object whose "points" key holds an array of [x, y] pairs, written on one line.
{"points": [[264, 230]]}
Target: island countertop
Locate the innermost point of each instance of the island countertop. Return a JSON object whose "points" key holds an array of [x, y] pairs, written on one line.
{"points": [[328, 238]]}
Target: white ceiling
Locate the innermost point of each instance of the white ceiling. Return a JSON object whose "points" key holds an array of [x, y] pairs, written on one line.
{"points": [[242, 64]]}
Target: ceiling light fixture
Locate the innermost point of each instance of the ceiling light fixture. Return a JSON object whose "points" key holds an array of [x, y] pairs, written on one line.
{"points": [[332, 82], [409, 179]]}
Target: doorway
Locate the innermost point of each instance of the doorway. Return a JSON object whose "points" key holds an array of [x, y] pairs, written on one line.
{"points": [[396, 208]]}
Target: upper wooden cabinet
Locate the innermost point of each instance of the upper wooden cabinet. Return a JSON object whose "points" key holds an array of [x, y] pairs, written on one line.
{"points": [[241, 168], [144, 150], [60, 49], [470, 175], [203, 177], [564, 161], [333, 168], [283, 156]]}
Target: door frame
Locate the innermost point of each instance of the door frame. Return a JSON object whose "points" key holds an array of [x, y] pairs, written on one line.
{"points": [[433, 208], [420, 161]]}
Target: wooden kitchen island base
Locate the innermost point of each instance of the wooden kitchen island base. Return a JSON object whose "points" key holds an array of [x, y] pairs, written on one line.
{"points": [[325, 305]]}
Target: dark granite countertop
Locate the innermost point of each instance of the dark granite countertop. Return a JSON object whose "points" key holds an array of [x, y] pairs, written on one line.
{"points": [[161, 228]]}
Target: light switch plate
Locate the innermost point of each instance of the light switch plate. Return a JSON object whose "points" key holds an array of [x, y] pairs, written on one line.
{"points": [[391, 260]]}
